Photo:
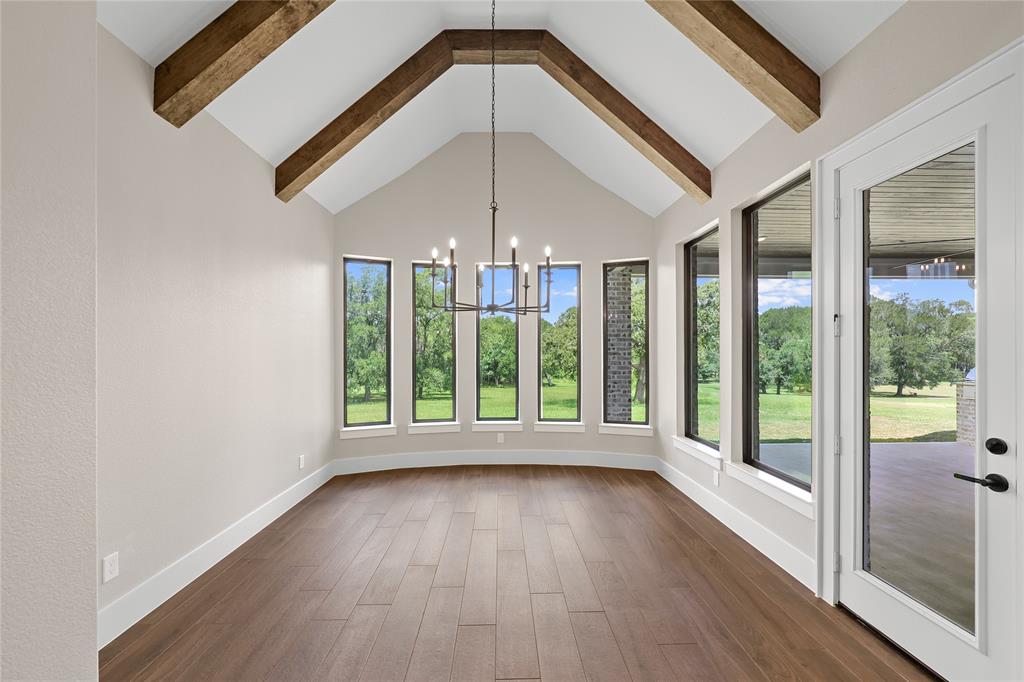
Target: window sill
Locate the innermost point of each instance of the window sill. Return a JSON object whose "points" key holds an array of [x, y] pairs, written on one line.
{"points": [[559, 427], [699, 451], [794, 497], [433, 427], [626, 430], [376, 431], [497, 426]]}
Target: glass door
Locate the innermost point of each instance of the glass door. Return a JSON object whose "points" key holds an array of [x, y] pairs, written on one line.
{"points": [[928, 389]]}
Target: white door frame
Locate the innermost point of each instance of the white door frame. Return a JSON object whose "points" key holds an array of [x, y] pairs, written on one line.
{"points": [[1007, 64]]}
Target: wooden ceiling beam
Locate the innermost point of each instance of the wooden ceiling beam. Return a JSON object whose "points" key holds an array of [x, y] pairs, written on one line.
{"points": [[451, 47], [750, 54], [224, 51]]}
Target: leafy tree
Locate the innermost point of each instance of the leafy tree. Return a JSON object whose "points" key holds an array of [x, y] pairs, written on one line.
{"points": [[559, 346], [708, 321], [920, 351], [961, 336], [366, 320], [638, 324], [784, 348], [433, 349], [497, 350]]}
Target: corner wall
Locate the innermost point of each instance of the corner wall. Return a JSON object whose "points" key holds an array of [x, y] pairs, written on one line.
{"points": [[49, 341], [215, 336], [921, 46], [543, 200]]}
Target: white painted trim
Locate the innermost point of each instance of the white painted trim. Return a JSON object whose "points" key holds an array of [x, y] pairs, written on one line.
{"points": [[626, 430], [794, 497], [801, 566], [129, 608], [434, 427], [376, 431], [415, 460], [492, 427], [702, 453], [559, 427]]}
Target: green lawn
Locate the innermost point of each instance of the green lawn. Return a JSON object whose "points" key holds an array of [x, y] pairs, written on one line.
{"points": [[371, 412], [559, 401], [435, 407], [930, 415], [498, 402]]}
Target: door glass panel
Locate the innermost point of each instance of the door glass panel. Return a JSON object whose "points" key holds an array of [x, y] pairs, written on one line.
{"points": [[920, 333]]}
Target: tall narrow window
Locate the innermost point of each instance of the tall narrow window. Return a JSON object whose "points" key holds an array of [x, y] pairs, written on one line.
{"points": [[497, 343], [367, 334], [433, 347], [558, 346], [626, 345], [702, 305], [777, 334]]}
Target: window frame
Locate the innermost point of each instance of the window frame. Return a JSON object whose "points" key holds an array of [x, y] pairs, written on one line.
{"points": [[578, 266], [479, 316], [750, 328], [455, 347], [605, 266], [345, 260], [690, 402]]}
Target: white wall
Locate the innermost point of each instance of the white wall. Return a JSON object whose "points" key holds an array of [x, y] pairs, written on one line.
{"points": [[921, 46], [215, 329], [542, 200], [49, 340]]}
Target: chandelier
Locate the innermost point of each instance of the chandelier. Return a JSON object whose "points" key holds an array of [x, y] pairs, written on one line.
{"points": [[448, 265]]}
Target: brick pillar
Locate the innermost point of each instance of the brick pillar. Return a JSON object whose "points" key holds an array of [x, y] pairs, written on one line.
{"points": [[618, 397], [966, 427]]}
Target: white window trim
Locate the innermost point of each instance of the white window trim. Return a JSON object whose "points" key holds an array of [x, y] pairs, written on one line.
{"points": [[497, 426], [699, 451], [433, 427], [559, 427], [374, 431], [793, 496], [645, 430]]}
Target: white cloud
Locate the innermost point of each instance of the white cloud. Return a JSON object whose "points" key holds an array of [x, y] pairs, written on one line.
{"points": [[570, 293], [779, 293], [879, 292]]}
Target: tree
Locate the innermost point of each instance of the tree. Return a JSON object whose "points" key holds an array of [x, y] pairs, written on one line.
{"points": [[366, 321], [433, 348], [638, 324], [559, 346], [919, 349], [708, 324], [784, 348], [497, 350]]}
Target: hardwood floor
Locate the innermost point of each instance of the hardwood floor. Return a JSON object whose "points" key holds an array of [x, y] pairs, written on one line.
{"points": [[503, 572]]}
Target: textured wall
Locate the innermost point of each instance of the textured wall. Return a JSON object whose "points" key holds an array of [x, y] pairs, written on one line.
{"points": [[215, 328], [49, 340], [618, 370]]}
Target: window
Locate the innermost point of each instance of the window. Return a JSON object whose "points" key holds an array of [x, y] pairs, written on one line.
{"points": [[702, 305], [626, 344], [558, 346], [777, 334], [497, 342], [366, 379], [433, 346]]}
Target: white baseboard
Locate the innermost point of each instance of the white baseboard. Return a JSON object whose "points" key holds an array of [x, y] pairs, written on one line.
{"points": [[789, 558], [131, 607]]}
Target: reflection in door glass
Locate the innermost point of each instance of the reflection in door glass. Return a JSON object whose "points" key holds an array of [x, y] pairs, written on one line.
{"points": [[920, 328]]}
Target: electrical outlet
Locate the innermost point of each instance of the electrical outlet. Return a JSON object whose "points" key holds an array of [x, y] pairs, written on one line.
{"points": [[714, 477], [302, 461], [110, 567], [501, 438]]}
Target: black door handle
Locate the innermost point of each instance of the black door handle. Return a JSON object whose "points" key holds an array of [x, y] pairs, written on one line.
{"points": [[994, 482], [997, 446]]}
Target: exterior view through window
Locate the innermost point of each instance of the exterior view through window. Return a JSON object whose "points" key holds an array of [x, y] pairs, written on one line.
{"points": [[367, 339], [626, 345], [558, 333], [777, 334], [703, 305], [497, 360], [919, 365], [433, 347]]}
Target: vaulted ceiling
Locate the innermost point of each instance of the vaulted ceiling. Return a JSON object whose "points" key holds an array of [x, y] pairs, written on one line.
{"points": [[641, 53]]}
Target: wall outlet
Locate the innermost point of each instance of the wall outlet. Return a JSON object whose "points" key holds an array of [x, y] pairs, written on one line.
{"points": [[714, 477], [110, 567], [302, 461], [501, 438]]}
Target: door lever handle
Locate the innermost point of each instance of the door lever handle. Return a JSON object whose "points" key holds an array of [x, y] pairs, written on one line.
{"points": [[994, 482]]}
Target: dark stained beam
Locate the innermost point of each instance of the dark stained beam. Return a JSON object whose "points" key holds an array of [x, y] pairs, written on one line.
{"points": [[750, 54], [474, 47], [224, 51]]}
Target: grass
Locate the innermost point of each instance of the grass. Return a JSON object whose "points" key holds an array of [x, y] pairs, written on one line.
{"points": [[498, 402], [559, 401], [373, 411], [927, 416], [435, 407]]}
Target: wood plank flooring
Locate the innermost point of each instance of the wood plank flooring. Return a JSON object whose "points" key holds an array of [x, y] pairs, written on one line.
{"points": [[502, 572]]}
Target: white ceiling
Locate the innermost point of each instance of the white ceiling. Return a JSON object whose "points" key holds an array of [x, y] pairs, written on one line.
{"points": [[345, 51]]}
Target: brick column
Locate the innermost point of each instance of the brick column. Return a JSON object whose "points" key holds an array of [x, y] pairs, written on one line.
{"points": [[618, 397]]}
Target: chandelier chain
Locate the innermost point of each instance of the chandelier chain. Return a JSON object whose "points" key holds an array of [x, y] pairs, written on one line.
{"points": [[494, 202]]}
